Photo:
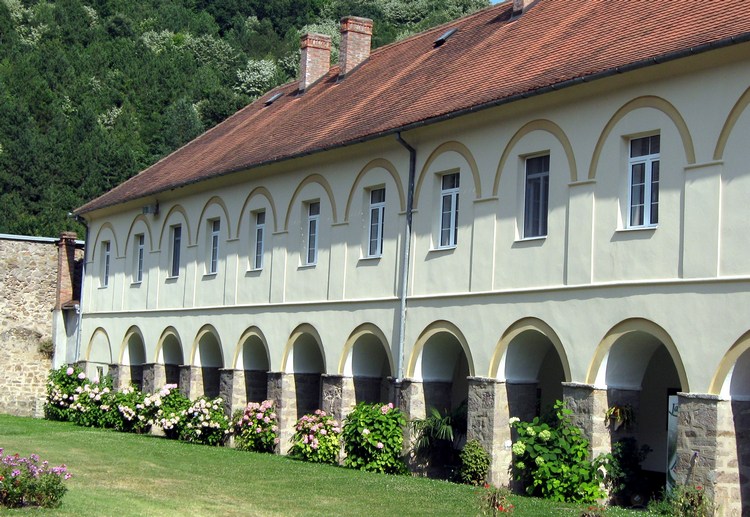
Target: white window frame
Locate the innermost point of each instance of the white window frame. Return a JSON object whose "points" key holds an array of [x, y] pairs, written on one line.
{"points": [[140, 250], [448, 215], [376, 223], [536, 197], [259, 235], [106, 263], [214, 226], [312, 233], [176, 248], [648, 215]]}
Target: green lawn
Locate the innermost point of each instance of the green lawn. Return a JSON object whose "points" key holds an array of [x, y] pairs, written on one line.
{"points": [[127, 475]]}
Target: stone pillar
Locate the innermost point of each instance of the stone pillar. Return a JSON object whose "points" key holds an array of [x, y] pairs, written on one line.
{"points": [[232, 389], [154, 377], [281, 389], [488, 422], [589, 405], [191, 381], [120, 376], [732, 489], [697, 442], [338, 395]]}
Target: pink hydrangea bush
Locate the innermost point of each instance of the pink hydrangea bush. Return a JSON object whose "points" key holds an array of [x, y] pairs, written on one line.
{"points": [[256, 427], [92, 404], [61, 391], [170, 405], [373, 438], [29, 482], [317, 438]]}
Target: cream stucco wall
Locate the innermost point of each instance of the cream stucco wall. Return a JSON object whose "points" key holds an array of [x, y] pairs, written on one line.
{"points": [[688, 277]]}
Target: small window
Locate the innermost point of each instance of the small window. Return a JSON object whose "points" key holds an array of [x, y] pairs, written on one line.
{"points": [[213, 260], [449, 210], [643, 192], [536, 197], [377, 218], [174, 269], [259, 234], [106, 259], [140, 242], [311, 236]]}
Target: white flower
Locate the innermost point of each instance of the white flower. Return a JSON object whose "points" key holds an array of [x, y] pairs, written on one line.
{"points": [[513, 420]]}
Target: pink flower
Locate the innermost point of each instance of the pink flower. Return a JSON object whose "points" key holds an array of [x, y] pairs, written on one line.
{"points": [[379, 445], [259, 416], [365, 431], [69, 371], [81, 375]]}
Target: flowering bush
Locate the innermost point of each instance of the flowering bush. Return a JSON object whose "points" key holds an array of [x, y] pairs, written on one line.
{"points": [[256, 428], [170, 404], [316, 438], [134, 411], [552, 459], [683, 501], [61, 391], [205, 422], [92, 404], [373, 437], [494, 500], [26, 482]]}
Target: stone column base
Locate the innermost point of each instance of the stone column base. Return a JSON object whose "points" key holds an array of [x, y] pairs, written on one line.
{"points": [[488, 415], [154, 377]]}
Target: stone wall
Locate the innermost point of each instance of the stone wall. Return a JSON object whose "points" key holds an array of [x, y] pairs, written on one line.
{"points": [[28, 278]]}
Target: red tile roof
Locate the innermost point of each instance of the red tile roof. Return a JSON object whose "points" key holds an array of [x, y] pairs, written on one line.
{"points": [[490, 60]]}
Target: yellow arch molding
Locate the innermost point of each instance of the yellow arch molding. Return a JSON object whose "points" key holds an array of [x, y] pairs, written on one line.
{"points": [[180, 210], [363, 330], [250, 332], [636, 325], [304, 328], [111, 228], [739, 347], [518, 328], [726, 130], [97, 332], [140, 217], [320, 180], [433, 329], [456, 147], [218, 201], [205, 329], [133, 330], [656, 103], [537, 125], [374, 164], [258, 191], [169, 331]]}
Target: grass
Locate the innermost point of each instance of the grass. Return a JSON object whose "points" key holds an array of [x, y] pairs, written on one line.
{"points": [[128, 475]]}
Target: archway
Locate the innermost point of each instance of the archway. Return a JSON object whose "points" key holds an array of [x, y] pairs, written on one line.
{"points": [[532, 368], [170, 355], [133, 358], [253, 363], [305, 361], [642, 379], [209, 359], [99, 354], [368, 364]]}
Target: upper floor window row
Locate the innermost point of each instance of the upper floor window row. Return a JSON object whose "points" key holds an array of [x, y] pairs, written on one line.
{"points": [[448, 229], [643, 185]]}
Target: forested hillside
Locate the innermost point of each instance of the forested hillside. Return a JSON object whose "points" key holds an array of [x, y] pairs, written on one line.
{"points": [[93, 91]]}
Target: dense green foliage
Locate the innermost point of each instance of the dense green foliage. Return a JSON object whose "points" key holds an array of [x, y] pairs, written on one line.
{"points": [[551, 458], [474, 464], [374, 438], [93, 92]]}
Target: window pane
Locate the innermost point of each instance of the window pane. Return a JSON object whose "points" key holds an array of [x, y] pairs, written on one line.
{"points": [[639, 147], [655, 144], [314, 208], [260, 217], [450, 181], [176, 240], [377, 196]]}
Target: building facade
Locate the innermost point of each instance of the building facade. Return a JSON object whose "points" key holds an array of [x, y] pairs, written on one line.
{"points": [[566, 220]]}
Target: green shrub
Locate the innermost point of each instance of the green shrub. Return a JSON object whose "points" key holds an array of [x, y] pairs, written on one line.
{"points": [[373, 438], [205, 422], [474, 463], [93, 404], [27, 482], [256, 427], [316, 438], [437, 437], [552, 459], [683, 501]]}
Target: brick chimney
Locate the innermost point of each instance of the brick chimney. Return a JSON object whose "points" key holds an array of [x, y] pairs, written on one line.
{"points": [[316, 58], [356, 35], [66, 269], [519, 6]]}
